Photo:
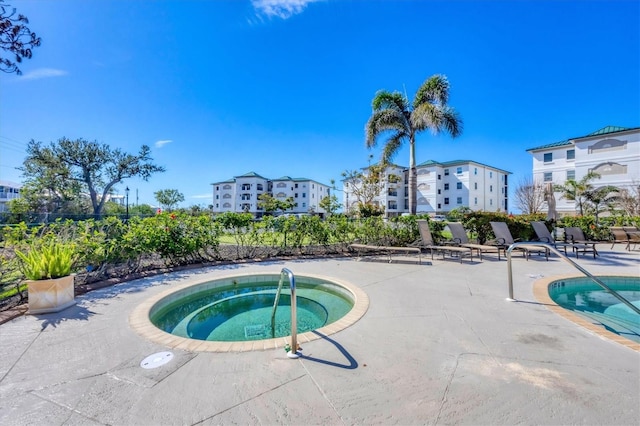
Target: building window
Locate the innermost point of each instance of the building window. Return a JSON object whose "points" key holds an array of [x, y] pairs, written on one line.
{"points": [[259, 187], [296, 195], [459, 185], [571, 174], [446, 172], [217, 188], [304, 204], [491, 201], [548, 177], [439, 177], [459, 200], [475, 200], [548, 157], [246, 186], [490, 174], [226, 187], [475, 185], [571, 154], [304, 195], [439, 192], [446, 186], [217, 197], [475, 170], [490, 188], [459, 170], [446, 200], [439, 206]]}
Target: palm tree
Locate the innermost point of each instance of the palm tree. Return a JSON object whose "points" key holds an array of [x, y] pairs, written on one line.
{"points": [[576, 190], [606, 195], [392, 112]]}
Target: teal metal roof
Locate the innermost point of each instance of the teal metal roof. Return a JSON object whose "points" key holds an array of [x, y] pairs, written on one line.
{"points": [[429, 163], [551, 145], [224, 181], [251, 174], [282, 178], [609, 129]]}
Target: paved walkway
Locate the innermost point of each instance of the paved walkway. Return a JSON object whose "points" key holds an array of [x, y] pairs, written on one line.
{"points": [[438, 345]]}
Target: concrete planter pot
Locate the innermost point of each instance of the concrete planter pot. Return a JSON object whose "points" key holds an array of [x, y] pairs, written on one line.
{"points": [[54, 295]]}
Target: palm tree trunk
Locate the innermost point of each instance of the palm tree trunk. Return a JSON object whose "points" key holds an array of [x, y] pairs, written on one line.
{"points": [[413, 176]]}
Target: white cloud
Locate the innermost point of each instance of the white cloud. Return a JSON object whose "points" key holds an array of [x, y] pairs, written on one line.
{"points": [[280, 8], [160, 144], [43, 73]]}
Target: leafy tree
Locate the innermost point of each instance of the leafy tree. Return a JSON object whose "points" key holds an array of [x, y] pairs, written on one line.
{"points": [[529, 195], [393, 113], [270, 204], [112, 208], [575, 190], [15, 38], [365, 185], [629, 200], [142, 210], [67, 168], [168, 198], [330, 204]]}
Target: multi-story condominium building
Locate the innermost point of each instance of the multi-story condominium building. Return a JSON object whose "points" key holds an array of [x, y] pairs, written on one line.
{"points": [[8, 191], [240, 194], [441, 187], [612, 152]]}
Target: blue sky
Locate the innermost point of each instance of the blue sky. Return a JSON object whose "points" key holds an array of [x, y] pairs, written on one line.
{"points": [[284, 87]]}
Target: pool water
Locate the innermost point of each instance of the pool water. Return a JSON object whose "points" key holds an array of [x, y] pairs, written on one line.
{"points": [[591, 301], [243, 312]]}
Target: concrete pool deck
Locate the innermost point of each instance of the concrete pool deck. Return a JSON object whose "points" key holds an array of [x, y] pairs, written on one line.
{"points": [[439, 344]]}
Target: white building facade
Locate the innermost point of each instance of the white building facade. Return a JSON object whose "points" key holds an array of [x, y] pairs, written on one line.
{"points": [[240, 194], [441, 187], [8, 191], [612, 152]]}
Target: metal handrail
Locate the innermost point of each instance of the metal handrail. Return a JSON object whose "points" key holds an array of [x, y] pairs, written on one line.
{"points": [[565, 258], [293, 352]]}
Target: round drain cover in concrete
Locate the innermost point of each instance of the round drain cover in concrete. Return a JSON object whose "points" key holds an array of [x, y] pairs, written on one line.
{"points": [[156, 360]]}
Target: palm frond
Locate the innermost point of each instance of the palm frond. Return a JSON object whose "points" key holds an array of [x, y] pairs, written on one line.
{"points": [[392, 147], [437, 118], [435, 90], [388, 100], [382, 121]]}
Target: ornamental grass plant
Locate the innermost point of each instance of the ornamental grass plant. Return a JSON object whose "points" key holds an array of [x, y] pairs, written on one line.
{"points": [[49, 260]]}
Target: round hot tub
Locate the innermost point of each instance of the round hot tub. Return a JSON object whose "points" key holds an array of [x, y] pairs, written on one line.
{"points": [[237, 313]]}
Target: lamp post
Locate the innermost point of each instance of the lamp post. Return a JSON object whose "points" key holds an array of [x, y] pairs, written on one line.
{"points": [[127, 192]]}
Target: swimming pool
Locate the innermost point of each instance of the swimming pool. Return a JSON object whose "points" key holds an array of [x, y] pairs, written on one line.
{"points": [[233, 313], [587, 299]]}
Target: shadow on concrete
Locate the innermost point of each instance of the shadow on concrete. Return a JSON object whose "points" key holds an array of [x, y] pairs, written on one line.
{"points": [[353, 364]]}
